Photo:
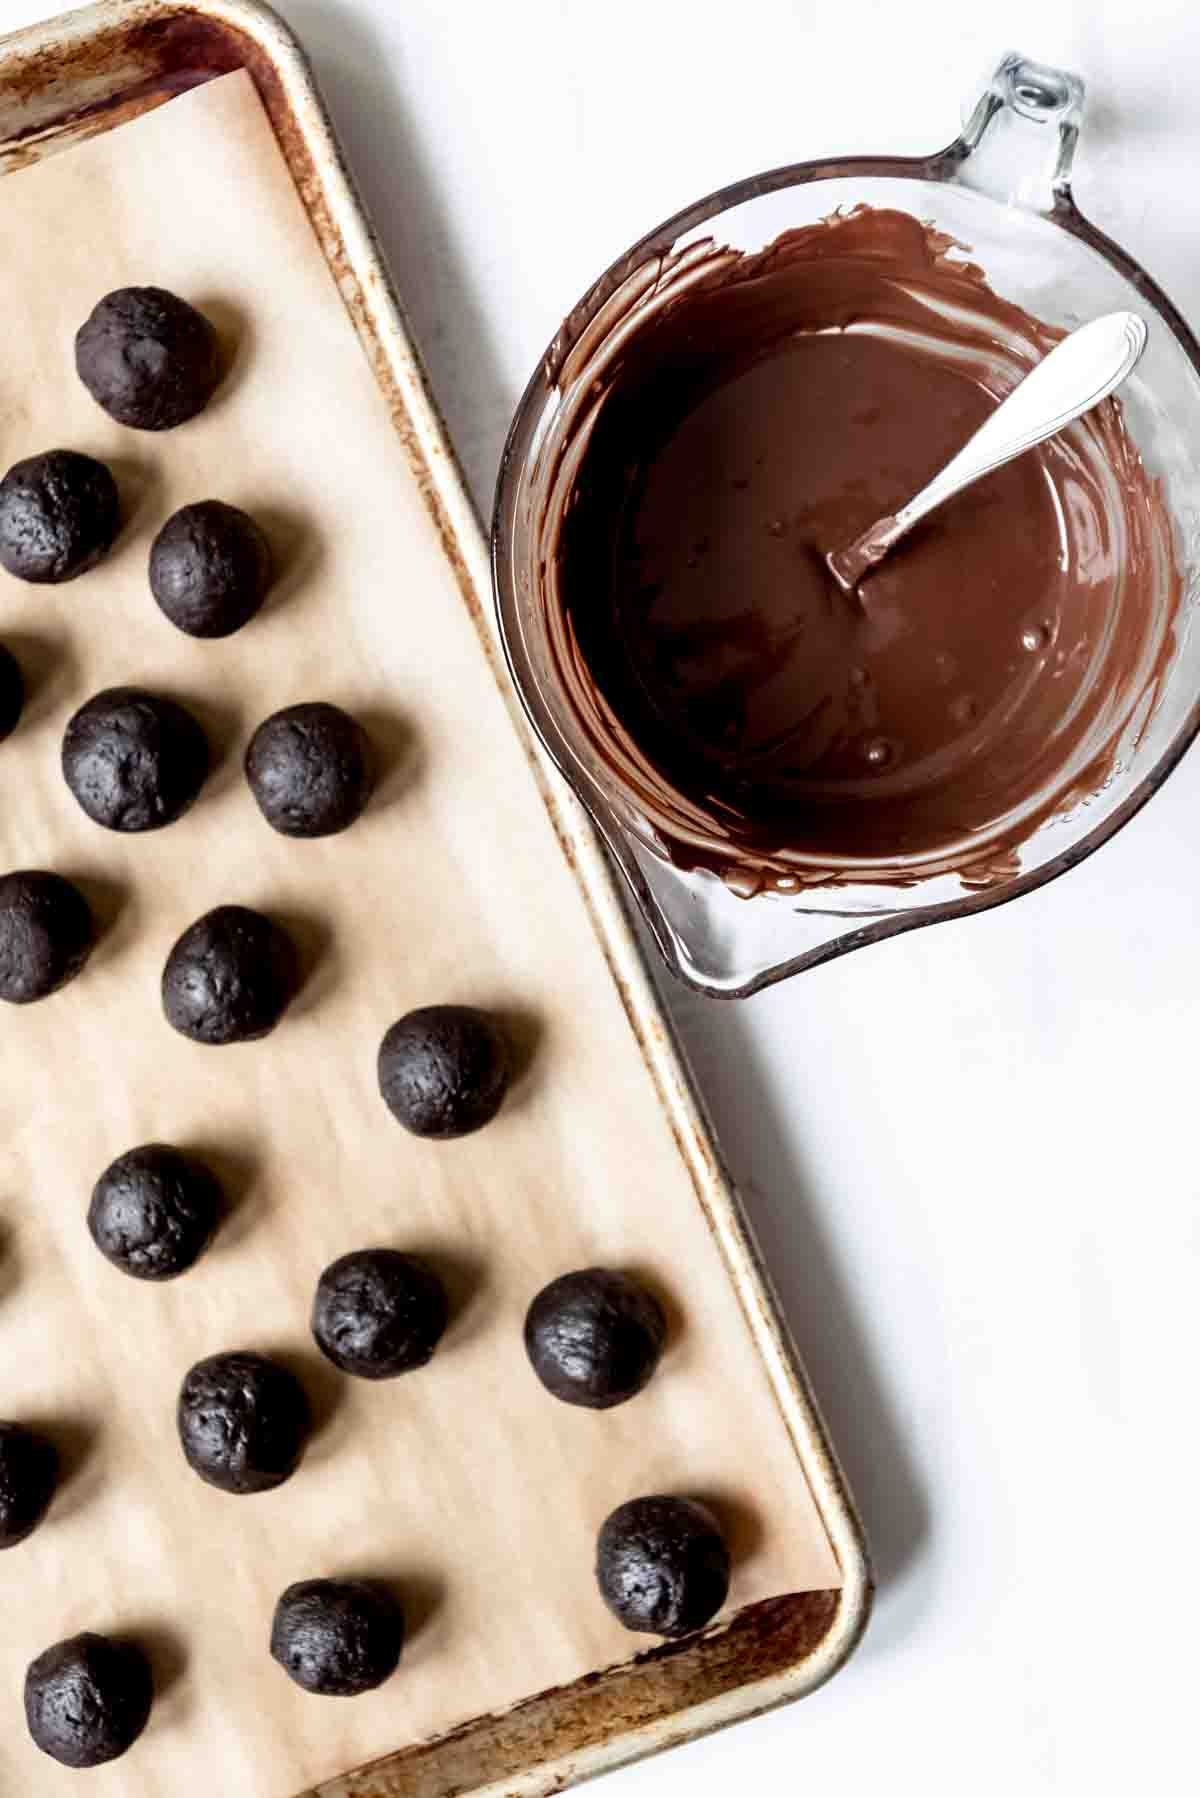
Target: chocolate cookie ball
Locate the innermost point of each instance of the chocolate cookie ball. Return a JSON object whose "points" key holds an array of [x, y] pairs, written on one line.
{"points": [[662, 1565], [444, 1070], [378, 1313], [154, 1211], [309, 768], [59, 512], [87, 1699], [12, 692], [338, 1637], [210, 567], [229, 977], [243, 1421], [134, 760], [148, 358], [46, 934], [28, 1476], [594, 1337]]}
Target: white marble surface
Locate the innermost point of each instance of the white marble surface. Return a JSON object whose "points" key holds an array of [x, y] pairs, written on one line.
{"points": [[969, 1153]]}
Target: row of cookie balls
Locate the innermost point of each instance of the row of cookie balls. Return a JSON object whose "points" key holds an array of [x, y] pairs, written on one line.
{"points": [[594, 1338], [135, 761], [89, 1697], [210, 565], [443, 1070]]}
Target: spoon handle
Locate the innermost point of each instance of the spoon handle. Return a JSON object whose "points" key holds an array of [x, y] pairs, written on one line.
{"points": [[1077, 374]]}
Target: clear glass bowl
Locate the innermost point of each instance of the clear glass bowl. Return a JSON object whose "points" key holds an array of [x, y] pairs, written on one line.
{"points": [[1003, 188]]}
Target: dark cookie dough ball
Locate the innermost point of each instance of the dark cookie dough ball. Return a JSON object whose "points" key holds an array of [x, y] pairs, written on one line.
{"points": [[28, 1476], [337, 1636], [243, 1421], [309, 768], [444, 1070], [210, 567], [148, 358], [662, 1565], [59, 512], [154, 1211], [378, 1313], [594, 1337], [229, 977], [87, 1699], [12, 692], [134, 760], [46, 934]]}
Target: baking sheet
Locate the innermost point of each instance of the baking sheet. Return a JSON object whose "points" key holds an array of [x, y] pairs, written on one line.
{"points": [[465, 1483]]}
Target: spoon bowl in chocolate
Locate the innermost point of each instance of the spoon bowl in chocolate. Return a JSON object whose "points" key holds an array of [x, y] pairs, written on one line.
{"points": [[1077, 374]]}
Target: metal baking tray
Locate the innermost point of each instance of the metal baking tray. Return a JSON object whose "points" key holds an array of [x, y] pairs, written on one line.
{"points": [[89, 72]]}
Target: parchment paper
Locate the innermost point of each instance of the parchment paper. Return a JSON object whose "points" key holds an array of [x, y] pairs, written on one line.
{"points": [[466, 1483]]}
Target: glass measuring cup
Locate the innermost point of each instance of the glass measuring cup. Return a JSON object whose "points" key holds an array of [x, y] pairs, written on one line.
{"points": [[1002, 188]]}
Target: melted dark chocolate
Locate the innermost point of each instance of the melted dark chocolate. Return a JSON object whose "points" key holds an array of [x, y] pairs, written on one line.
{"points": [[767, 409]]}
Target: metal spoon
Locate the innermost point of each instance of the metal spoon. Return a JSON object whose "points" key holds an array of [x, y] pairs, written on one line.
{"points": [[1077, 374]]}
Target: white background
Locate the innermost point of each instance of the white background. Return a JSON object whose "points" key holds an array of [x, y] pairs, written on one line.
{"points": [[970, 1153]]}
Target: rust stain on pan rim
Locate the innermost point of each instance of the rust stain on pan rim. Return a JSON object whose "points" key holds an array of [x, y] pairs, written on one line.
{"points": [[556, 1737]]}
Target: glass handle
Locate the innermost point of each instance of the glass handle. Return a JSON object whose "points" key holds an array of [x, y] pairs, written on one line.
{"points": [[1018, 141]]}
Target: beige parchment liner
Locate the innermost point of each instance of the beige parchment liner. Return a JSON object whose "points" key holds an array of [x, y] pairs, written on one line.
{"points": [[465, 1482]]}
